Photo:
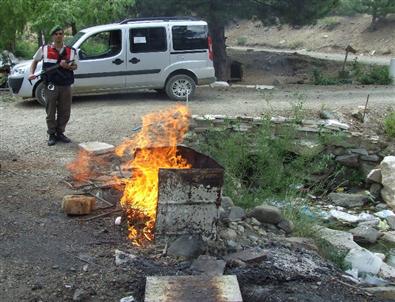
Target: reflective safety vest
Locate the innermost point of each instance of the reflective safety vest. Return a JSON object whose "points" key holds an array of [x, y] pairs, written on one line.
{"points": [[51, 56]]}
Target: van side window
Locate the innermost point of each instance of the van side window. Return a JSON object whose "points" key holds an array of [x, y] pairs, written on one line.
{"points": [[152, 39], [190, 37], [102, 45]]}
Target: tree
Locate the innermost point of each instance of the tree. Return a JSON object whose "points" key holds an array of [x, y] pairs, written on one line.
{"points": [[13, 18], [378, 9], [219, 12]]}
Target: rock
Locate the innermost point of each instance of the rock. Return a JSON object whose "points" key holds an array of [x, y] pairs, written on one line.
{"points": [[186, 246], [388, 180], [127, 299], [300, 242], [327, 115], [306, 147], [233, 246], [266, 214], [359, 151], [371, 158], [389, 237], [220, 84], [208, 265], [391, 222], [227, 203], [374, 176], [240, 229], [254, 222], [80, 295], [363, 260], [343, 216], [382, 292], [375, 190], [381, 206], [286, 225], [248, 255], [348, 200], [349, 160], [96, 148], [78, 204], [387, 272], [236, 214], [335, 125], [369, 223], [384, 214], [365, 234], [341, 242], [123, 258]]}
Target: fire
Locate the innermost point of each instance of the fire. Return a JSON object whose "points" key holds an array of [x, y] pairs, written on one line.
{"points": [[164, 129]]}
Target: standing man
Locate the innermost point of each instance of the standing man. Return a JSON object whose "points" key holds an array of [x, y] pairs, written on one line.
{"points": [[60, 61]]}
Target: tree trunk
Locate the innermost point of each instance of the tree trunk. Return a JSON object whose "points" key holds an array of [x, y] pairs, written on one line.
{"points": [[73, 28], [221, 59], [40, 40]]}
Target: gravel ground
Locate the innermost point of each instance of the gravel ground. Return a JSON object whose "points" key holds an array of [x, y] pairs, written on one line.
{"points": [[43, 254]]}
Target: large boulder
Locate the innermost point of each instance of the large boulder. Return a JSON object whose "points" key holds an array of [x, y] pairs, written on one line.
{"points": [[388, 180], [266, 214], [186, 246]]}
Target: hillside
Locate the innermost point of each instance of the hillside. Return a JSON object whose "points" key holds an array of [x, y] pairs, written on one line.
{"points": [[331, 34]]}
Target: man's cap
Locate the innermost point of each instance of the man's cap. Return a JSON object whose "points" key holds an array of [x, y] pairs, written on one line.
{"points": [[55, 29]]}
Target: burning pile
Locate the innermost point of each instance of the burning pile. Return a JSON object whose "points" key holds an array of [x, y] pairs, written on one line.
{"points": [[164, 129]]}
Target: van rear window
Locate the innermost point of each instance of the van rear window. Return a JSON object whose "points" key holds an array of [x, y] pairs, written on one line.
{"points": [[190, 37]]}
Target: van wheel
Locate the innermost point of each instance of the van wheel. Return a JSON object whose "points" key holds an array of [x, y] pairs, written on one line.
{"points": [[40, 94], [180, 86]]}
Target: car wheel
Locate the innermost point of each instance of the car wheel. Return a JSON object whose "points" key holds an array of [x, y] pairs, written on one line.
{"points": [[179, 87], [40, 94]]}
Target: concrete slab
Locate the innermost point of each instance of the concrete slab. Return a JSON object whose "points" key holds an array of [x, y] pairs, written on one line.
{"points": [[192, 289], [96, 148]]}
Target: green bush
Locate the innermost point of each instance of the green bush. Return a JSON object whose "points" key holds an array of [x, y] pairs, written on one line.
{"points": [[348, 7], [25, 49], [389, 124], [320, 79], [241, 41], [296, 45], [378, 75]]}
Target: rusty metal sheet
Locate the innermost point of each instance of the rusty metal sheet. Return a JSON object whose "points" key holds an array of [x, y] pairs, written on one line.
{"points": [[192, 289], [175, 219]]}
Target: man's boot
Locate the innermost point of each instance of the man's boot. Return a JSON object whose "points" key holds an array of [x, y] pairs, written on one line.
{"points": [[63, 138], [52, 140]]}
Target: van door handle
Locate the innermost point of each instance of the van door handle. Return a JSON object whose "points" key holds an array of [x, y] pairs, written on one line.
{"points": [[117, 61], [134, 60]]}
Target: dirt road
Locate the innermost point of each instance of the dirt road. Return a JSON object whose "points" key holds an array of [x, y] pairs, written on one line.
{"points": [[46, 256]]}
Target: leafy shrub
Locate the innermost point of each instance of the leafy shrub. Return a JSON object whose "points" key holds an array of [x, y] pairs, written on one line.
{"points": [[389, 124], [25, 49], [320, 79], [378, 75], [241, 41]]}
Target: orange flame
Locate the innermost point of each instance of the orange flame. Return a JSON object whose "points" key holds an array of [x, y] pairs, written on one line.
{"points": [[163, 129]]}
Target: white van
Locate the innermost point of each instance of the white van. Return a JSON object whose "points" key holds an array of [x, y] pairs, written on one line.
{"points": [[170, 55]]}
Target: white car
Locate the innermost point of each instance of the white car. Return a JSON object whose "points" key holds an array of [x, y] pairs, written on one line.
{"points": [[172, 55]]}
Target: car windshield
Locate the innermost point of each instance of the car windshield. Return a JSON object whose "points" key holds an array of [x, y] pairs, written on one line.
{"points": [[70, 41]]}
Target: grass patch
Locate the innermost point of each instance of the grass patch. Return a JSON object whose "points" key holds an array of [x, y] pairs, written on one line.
{"points": [[389, 124]]}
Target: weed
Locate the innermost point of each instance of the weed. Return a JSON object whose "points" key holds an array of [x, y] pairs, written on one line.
{"points": [[320, 79], [241, 41], [296, 45], [389, 124], [378, 75]]}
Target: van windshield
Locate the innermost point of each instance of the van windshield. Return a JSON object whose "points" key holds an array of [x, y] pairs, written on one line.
{"points": [[70, 41]]}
